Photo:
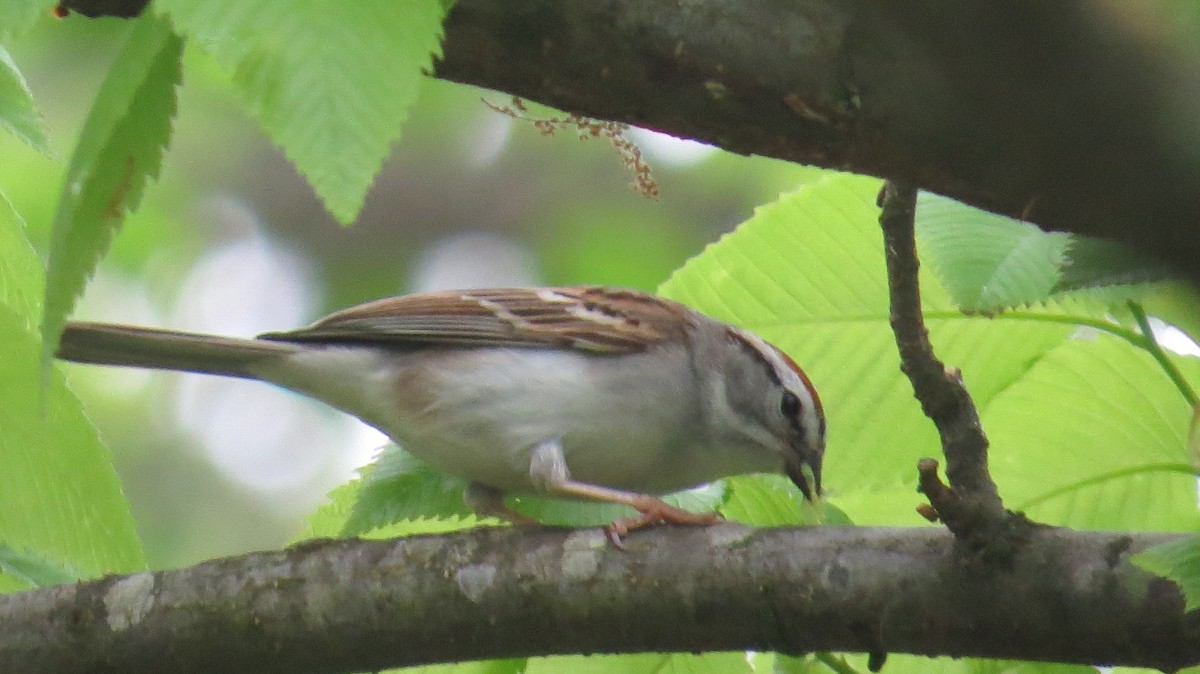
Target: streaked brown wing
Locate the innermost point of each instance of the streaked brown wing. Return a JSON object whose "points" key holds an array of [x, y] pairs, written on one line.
{"points": [[589, 318]]}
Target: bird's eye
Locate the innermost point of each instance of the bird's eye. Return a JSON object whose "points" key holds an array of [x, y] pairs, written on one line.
{"points": [[789, 405]]}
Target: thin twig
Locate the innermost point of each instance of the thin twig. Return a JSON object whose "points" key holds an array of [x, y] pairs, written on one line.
{"points": [[835, 663], [972, 500]]}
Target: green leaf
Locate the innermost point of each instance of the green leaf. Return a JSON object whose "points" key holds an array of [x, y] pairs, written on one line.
{"points": [[643, 663], [330, 82], [119, 151], [21, 272], [1097, 263], [815, 663], [1095, 437], [398, 487], [35, 570], [772, 501], [1025, 667], [511, 666], [1180, 562], [16, 16], [1195, 669], [900, 663], [807, 273], [988, 261], [63, 506], [329, 520], [17, 112], [62, 497]]}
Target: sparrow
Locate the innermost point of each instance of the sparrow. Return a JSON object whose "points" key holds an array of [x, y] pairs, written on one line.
{"points": [[585, 392]]}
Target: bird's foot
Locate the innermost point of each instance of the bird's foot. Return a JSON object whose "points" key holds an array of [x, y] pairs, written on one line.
{"points": [[652, 511]]}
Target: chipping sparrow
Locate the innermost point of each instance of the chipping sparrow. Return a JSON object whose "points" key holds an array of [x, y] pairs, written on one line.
{"points": [[585, 392]]}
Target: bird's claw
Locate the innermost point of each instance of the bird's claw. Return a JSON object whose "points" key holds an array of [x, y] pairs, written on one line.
{"points": [[653, 511]]}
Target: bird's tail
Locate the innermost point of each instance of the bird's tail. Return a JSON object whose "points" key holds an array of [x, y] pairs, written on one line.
{"points": [[108, 344]]}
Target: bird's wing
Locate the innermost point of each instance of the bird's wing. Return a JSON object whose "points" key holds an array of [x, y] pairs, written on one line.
{"points": [[587, 318]]}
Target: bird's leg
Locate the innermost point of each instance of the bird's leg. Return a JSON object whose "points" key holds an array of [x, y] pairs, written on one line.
{"points": [[548, 469], [489, 502]]}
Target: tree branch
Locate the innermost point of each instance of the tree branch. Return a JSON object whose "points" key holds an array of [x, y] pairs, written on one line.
{"points": [[973, 508], [339, 606], [1075, 115]]}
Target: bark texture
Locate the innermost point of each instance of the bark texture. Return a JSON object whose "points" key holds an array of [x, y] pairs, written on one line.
{"points": [[341, 606]]}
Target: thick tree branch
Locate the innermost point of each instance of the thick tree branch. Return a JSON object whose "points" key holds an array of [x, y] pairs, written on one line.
{"points": [[340, 606], [1078, 115]]}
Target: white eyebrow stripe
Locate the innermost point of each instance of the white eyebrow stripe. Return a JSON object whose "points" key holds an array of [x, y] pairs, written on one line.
{"points": [[791, 380]]}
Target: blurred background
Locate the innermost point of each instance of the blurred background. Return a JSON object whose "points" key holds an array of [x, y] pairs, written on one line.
{"points": [[232, 240]]}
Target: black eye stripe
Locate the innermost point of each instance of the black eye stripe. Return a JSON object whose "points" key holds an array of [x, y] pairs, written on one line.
{"points": [[789, 405]]}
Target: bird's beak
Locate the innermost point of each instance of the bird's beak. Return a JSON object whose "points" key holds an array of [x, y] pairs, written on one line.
{"points": [[799, 474]]}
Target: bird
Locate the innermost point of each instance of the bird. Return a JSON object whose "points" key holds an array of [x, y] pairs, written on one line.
{"points": [[582, 392]]}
